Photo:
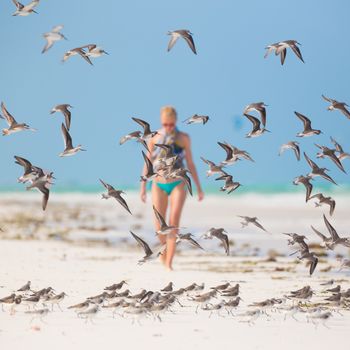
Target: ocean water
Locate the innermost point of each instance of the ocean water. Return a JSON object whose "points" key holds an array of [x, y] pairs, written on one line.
{"points": [[271, 189]]}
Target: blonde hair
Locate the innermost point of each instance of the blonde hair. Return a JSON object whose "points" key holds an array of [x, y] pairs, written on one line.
{"points": [[169, 111]]}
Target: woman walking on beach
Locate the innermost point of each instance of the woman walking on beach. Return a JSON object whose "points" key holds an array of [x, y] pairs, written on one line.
{"points": [[170, 192]]}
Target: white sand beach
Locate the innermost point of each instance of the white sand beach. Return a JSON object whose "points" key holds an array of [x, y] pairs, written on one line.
{"points": [[82, 244]]}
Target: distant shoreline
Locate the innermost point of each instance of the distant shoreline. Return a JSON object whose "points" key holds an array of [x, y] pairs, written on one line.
{"points": [[342, 189]]}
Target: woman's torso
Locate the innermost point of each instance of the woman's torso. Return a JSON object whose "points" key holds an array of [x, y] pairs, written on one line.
{"points": [[176, 141]]}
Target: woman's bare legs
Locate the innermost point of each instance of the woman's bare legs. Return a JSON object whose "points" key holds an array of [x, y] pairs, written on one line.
{"points": [[177, 200], [160, 201]]}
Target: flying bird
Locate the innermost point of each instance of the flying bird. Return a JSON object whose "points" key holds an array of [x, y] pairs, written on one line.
{"points": [[52, 37], [181, 33], [197, 119], [164, 228], [149, 254], [188, 237], [311, 258], [257, 129], [113, 193], [251, 220], [231, 158], [92, 50], [339, 149], [317, 171], [229, 185], [43, 184], [182, 174], [12, 123], [30, 172], [135, 135], [221, 235], [330, 153], [213, 168], [340, 106], [281, 47], [64, 109], [150, 174], [291, 145], [233, 154], [258, 107], [25, 10], [308, 130], [147, 133], [69, 150], [304, 180], [295, 238], [334, 239], [324, 200], [76, 51]]}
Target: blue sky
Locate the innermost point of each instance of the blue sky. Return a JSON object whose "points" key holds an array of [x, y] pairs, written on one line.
{"points": [[139, 76]]}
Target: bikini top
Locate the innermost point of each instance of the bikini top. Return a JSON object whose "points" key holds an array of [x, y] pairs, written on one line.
{"points": [[171, 139]]}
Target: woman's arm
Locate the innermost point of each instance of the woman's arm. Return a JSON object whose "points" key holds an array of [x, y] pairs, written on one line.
{"points": [[192, 167], [143, 192]]}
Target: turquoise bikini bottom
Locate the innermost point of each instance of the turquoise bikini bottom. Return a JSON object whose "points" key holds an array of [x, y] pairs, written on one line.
{"points": [[169, 186]]}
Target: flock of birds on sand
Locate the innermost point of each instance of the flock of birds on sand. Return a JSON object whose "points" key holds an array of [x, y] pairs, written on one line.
{"points": [[224, 300], [155, 303]]}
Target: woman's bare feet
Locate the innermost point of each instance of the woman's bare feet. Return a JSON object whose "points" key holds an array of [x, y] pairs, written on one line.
{"points": [[169, 267]]}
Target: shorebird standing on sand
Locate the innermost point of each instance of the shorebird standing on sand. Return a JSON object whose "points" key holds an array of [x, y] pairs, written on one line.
{"points": [[25, 288]]}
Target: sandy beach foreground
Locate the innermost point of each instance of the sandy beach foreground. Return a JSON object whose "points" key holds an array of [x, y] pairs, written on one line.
{"points": [[82, 245]]}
